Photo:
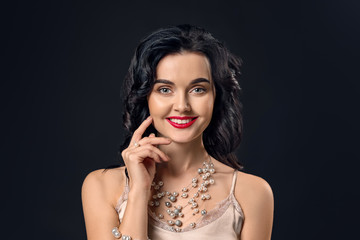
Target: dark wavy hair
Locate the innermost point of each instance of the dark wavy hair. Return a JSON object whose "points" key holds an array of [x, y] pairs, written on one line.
{"points": [[223, 135]]}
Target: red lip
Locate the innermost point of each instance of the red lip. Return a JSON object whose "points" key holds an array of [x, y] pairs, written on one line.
{"points": [[181, 118]]}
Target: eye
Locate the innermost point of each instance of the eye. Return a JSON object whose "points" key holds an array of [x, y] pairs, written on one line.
{"points": [[199, 90], [164, 90]]}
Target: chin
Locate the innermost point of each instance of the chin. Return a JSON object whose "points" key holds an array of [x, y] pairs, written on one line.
{"points": [[179, 135], [182, 139]]}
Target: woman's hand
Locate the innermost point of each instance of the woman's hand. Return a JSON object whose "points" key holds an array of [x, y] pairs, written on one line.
{"points": [[141, 155]]}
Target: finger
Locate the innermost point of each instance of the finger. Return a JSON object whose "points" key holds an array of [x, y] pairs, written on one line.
{"points": [[140, 130], [161, 154], [149, 152], [154, 141], [152, 135]]}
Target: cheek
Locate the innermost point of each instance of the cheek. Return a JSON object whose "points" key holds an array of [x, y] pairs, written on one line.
{"points": [[209, 105], [156, 106], [205, 109]]}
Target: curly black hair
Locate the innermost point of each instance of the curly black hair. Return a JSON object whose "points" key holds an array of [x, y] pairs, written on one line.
{"points": [[223, 135]]}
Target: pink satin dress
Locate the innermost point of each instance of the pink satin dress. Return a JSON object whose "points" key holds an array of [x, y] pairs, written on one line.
{"points": [[223, 222]]}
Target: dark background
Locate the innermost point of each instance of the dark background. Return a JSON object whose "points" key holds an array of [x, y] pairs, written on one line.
{"points": [[61, 110]]}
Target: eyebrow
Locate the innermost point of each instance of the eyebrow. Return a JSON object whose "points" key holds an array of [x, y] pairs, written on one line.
{"points": [[197, 80]]}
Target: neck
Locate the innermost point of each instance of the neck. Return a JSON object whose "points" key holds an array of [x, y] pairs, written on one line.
{"points": [[184, 157]]}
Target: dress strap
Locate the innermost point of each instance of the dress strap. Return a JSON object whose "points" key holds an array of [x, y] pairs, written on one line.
{"points": [[233, 182]]}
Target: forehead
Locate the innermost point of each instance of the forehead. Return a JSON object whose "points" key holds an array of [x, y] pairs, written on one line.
{"points": [[184, 66]]}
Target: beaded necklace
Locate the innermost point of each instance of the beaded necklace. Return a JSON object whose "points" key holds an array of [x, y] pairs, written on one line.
{"points": [[175, 213]]}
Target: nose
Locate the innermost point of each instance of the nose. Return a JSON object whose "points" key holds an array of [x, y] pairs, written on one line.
{"points": [[181, 103]]}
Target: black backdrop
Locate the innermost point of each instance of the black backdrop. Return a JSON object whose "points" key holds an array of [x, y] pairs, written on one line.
{"points": [[63, 66]]}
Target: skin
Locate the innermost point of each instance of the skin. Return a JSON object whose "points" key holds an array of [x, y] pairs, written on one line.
{"points": [[174, 154]]}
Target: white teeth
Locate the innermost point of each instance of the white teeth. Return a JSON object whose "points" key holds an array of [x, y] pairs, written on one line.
{"points": [[178, 121]]}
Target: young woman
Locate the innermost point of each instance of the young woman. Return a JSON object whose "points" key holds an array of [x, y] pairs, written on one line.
{"points": [[181, 179]]}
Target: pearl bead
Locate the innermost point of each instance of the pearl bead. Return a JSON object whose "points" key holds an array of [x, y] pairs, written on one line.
{"points": [[212, 170], [176, 212], [194, 185], [172, 198], [157, 203], [185, 189], [161, 183], [178, 223], [124, 237], [192, 224], [161, 216], [212, 181], [168, 204], [171, 222], [184, 195], [200, 170], [203, 212]]}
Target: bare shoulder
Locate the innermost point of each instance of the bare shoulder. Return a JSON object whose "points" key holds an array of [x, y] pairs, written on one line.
{"points": [[253, 192], [251, 184], [105, 183]]}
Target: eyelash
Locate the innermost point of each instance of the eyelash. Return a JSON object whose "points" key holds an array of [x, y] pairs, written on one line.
{"points": [[160, 90], [203, 90]]}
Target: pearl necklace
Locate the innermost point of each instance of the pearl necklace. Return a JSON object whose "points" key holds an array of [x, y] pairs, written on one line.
{"points": [[175, 212]]}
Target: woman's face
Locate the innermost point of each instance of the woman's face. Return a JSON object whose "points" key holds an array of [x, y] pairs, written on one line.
{"points": [[182, 99]]}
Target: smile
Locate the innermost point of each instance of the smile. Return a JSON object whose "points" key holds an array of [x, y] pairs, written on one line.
{"points": [[181, 122]]}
